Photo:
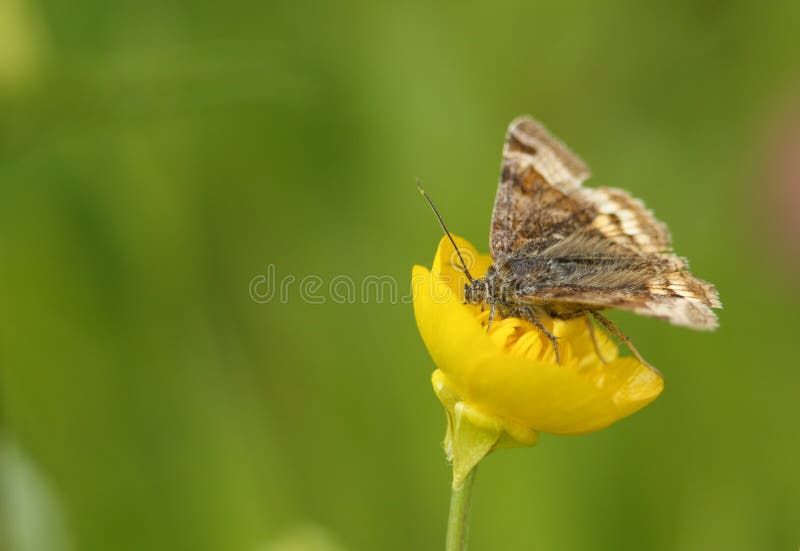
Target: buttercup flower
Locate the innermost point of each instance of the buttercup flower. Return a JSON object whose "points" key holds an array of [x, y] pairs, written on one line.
{"points": [[502, 387]]}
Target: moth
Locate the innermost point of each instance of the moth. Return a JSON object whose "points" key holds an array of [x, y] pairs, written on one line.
{"points": [[568, 251]]}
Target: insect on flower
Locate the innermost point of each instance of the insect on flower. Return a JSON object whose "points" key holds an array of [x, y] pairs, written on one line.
{"points": [[566, 251]]}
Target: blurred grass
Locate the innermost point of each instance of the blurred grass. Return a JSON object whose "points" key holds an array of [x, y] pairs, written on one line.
{"points": [[155, 157]]}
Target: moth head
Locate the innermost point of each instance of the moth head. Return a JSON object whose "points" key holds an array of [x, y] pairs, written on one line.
{"points": [[476, 292]]}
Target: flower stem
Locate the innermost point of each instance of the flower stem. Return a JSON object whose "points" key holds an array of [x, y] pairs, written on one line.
{"points": [[458, 521]]}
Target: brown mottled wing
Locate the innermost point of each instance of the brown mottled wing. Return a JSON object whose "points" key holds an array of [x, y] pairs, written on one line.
{"points": [[534, 208], [674, 296], [541, 203], [625, 221], [654, 285]]}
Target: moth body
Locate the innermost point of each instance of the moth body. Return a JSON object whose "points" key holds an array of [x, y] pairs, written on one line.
{"points": [[511, 288]]}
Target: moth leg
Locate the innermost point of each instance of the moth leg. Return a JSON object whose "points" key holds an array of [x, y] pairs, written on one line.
{"points": [[567, 316], [491, 316], [590, 326], [614, 330], [528, 315], [585, 314]]}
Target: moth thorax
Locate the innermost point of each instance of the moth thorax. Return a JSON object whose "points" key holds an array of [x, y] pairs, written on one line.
{"points": [[477, 292]]}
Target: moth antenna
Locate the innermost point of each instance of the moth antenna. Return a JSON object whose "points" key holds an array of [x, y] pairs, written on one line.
{"points": [[446, 231]]}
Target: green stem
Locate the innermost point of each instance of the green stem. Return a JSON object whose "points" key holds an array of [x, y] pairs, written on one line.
{"points": [[458, 521]]}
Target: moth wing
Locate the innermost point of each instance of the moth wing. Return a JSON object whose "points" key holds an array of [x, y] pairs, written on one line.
{"points": [[674, 296], [535, 205], [626, 221], [540, 202]]}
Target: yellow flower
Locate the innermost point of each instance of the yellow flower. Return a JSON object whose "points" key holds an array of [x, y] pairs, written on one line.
{"points": [[502, 387]]}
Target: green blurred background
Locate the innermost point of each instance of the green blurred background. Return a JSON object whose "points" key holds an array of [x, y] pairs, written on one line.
{"points": [[155, 157]]}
